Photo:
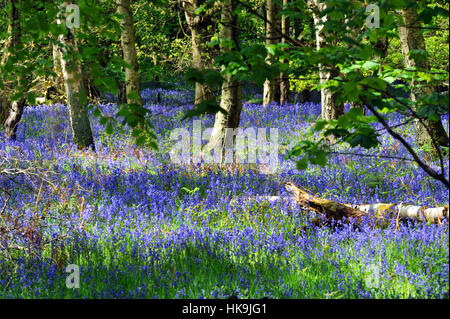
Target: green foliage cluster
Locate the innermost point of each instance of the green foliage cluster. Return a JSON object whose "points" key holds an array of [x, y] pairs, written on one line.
{"points": [[162, 39]]}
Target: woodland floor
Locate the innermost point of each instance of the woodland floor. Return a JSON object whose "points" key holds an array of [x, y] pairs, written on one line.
{"points": [[139, 226]]}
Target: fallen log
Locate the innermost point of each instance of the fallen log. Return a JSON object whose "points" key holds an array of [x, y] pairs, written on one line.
{"points": [[422, 213], [338, 211], [327, 208]]}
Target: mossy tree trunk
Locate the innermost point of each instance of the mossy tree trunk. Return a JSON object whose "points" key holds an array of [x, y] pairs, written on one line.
{"points": [[75, 90], [129, 53], [13, 36], [427, 131], [202, 29], [12, 111], [4, 109]]}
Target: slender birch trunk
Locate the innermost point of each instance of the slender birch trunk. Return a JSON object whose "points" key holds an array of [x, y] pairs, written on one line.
{"points": [[284, 78], [330, 109], [129, 52], [272, 37]]}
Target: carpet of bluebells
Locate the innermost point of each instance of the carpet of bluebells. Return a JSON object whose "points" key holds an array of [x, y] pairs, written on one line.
{"points": [[139, 226]]}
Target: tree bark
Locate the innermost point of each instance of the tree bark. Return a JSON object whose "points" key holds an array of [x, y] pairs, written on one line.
{"points": [[272, 37], [129, 52], [231, 87], [327, 208], [4, 109], [75, 91], [353, 33], [411, 39], [382, 212], [55, 93], [330, 108], [12, 111], [284, 78], [201, 54]]}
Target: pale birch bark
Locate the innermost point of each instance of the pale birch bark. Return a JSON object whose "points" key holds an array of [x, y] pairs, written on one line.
{"points": [[330, 108], [381, 212], [272, 37], [129, 51], [284, 78]]}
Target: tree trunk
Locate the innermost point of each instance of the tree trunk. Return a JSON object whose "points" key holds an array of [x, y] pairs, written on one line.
{"points": [[330, 109], [14, 31], [353, 33], [12, 111], [329, 209], [129, 52], [272, 37], [92, 92], [122, 94], [284, 78], [411, 39], [4, 109], [381, 212], [75, 91], [55, 92], [231, 88], [14, 117], [201, 53]]}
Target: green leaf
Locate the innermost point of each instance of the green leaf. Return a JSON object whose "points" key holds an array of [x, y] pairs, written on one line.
{"points": [[136, 132], [194, 75], [374, 83], [321, 158], [371, 65], [213, 78], [17, 96], [134, 96], [302, 164], [320, 124], [31, 98], [103, 120], [109, 129], [354, 113], [141, 140], [418, 55], [132, 120], [426, 15], [97, 113], [153, 145], [271, 49]]}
